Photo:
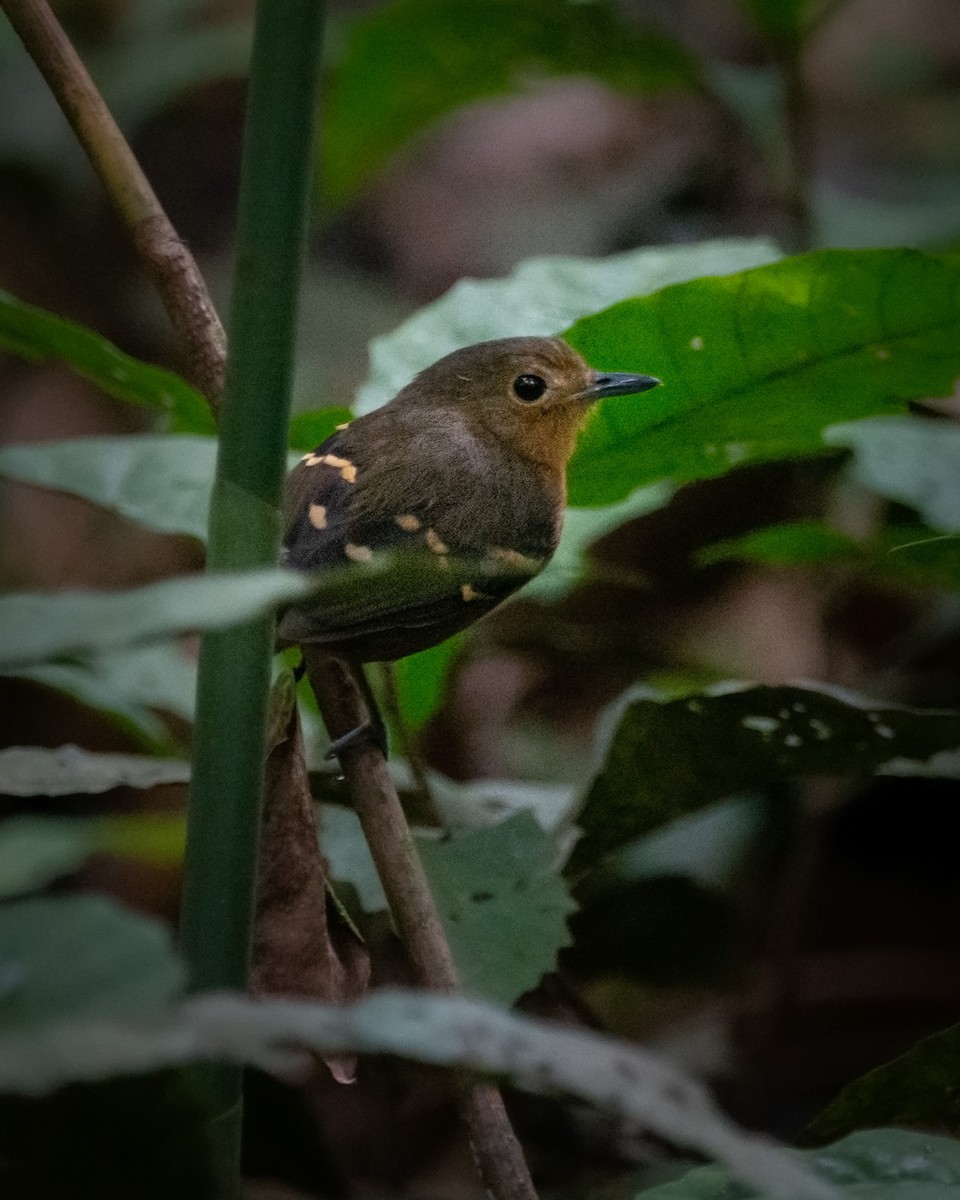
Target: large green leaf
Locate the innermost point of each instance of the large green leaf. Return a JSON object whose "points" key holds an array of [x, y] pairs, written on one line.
{"points": [[874, 1164], [83, 956], [911, 459], [160, 481], [542, 296], [33, 333], [660, 759], [40, 625], [755, 366], [409, 63]]}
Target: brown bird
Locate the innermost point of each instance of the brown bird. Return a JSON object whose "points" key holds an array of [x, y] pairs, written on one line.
{"points": [[464, 468]]}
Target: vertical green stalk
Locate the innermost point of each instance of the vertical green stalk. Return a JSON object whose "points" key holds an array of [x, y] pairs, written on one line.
{"points": [[224, 818]]}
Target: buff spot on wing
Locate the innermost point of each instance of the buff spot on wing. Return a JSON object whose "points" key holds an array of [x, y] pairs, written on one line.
{"points": [[359, 554], [347, 469], [434, 541], [311, 460], [317, 515], [341, 428], [408, 522], [467, 592]]}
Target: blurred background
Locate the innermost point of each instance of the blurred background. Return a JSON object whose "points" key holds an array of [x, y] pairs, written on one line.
{"points": [[852, 140]]}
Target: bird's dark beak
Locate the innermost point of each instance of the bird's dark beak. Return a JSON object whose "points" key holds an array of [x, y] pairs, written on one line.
{"points": [[617, 383]]}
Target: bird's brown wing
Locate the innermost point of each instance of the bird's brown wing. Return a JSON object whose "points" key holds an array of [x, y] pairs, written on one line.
{"points": [[414, 591]]}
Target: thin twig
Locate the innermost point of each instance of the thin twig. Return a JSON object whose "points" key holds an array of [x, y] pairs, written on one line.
{"points": [[408, 742], [169, 262], [497, 1152]]}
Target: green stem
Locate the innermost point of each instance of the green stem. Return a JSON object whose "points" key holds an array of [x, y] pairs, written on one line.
{"points": [[233, 688]]}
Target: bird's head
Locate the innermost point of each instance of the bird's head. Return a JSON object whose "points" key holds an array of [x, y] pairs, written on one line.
{"points": [[532, 393]]}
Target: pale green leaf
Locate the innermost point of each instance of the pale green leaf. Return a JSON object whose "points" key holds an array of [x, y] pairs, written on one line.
{"points": [[542, 296], [908, 458], [37, 625], [65, 770], [83, 956], [162, 482], [35, 852], [502, 903]]}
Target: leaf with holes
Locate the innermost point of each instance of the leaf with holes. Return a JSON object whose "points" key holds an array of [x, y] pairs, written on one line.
{"points": [[662, 758]]}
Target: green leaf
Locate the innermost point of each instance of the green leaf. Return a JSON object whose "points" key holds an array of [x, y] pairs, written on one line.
{"points": [[661, 759], [127, 684], [903, 554], [918, 1088], [707, 846], [792, 544], [542, 296], [65, 770], [82, 956], [874, 1164], [411, 62], [35, 851], [32, 333], [161, 481], [757, 365], [421, 680], [781, 20], [910, 459], [309, 429], [502, 903], [501, 899], [35, 626], [581, 528]]}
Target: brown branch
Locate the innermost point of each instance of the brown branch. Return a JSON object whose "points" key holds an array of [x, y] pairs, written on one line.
{"points": [[497, 1152], [167, 259]]}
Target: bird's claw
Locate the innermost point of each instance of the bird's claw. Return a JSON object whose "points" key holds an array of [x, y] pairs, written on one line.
{"points": [[370, 731]]}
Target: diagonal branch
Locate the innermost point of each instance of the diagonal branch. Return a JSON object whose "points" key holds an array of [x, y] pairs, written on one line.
{"points": [[169, 262], [497, 1152]]}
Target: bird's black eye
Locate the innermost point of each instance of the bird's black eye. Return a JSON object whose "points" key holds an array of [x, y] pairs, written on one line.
{"points": [[529, 387]]}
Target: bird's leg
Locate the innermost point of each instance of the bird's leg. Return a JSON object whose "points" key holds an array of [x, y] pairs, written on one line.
{"points": [[373, 729]]}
